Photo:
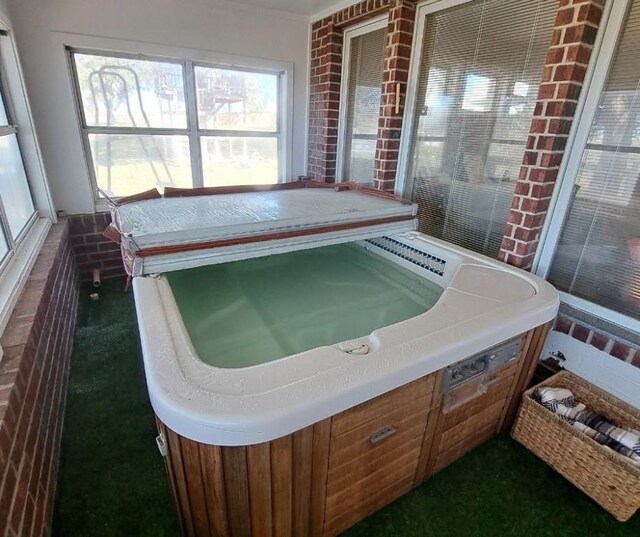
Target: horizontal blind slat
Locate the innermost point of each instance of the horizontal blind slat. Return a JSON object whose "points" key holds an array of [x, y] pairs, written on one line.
{"points": [[477, 86]]}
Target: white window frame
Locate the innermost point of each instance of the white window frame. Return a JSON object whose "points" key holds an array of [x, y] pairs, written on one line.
{"points": [[371, 25], [196, 57], [16, 266], [611, 28]]}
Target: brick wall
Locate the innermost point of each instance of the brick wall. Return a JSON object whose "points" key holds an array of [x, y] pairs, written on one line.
{"points": [[92, 249], [395, 74], [572, 41], [33, 377]]}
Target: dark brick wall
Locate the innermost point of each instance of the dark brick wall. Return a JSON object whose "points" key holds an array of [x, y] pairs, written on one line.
{"points": [[37, 345], [91, 249]]}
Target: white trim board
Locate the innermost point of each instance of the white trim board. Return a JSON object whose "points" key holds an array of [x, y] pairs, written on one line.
{"points": [[326, 12]]}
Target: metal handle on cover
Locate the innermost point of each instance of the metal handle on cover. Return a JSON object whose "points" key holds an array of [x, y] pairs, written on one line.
{"points": [[383, 433]]}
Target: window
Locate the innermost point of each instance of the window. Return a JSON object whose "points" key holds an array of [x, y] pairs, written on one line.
{"points": [[22, 184], [596, 248], [480, 64], [151, 122], [16, 204], [360, 102]]}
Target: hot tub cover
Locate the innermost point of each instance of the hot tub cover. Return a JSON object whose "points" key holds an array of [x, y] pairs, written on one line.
{"points": [[187, 228]]}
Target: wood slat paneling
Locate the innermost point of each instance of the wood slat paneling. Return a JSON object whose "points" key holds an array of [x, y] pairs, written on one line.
{"points": [[467, 429], [448, 456], [213, 475], [281, 485], [498, 389], [171, 477], [270, 489], [429, 433], [195, 487], [536, 339], [384, 404], [375, 501], [324, 478], [319, 469], [360, 472], [350, 460], [302, 481], [236, 484], [401, 419], [177, 468], [347, 494], [259, 472]]}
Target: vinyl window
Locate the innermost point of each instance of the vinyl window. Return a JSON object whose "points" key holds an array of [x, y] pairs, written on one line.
{"points": [[17, 210], [155, 122], [360, 101]]}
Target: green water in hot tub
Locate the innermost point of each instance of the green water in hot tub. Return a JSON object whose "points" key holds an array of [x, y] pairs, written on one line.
{"points": [[258, 310]]}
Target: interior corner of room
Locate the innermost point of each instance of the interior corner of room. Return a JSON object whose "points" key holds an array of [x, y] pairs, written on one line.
{"points": [[296, 267]]}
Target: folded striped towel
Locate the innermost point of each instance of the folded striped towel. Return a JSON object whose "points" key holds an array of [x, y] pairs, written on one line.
{"points": [[562, 402]]}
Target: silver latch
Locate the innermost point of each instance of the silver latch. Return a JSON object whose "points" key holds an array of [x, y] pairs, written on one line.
{"points": [[354, 347], [383, 433]]}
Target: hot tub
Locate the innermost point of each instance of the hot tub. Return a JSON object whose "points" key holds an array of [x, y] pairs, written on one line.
{"points": [[301, 382], [478, 304]]}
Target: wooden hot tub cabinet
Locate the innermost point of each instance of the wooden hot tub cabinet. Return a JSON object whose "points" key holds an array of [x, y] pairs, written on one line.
{"points": [[322, 479]]}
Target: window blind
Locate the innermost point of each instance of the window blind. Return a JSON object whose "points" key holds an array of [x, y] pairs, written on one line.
{"points": [[363, 105], [598, 255], [480, 67]]}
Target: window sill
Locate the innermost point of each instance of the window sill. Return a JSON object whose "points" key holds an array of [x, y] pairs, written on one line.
{"points": [[18, 266]]}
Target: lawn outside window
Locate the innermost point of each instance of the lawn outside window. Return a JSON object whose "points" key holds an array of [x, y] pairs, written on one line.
{"points": [[154, 122]]}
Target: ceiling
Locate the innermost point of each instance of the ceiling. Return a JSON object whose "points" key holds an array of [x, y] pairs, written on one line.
{"points": [[305, 8]]}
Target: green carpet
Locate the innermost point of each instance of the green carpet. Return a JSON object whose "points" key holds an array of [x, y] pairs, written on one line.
{"points": [[111, 480]]}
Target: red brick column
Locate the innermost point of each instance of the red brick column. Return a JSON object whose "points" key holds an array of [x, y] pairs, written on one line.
{"points": [[397, 55], [572, 41], [326, 66]]}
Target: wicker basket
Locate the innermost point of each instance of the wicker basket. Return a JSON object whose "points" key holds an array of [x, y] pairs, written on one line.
{"points": [[609, 478]]}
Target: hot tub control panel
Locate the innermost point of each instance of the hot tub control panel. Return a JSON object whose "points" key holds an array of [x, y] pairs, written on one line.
{"points": [[480, 363]]}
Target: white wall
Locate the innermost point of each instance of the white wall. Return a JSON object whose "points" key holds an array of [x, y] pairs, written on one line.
{"points": [[208, 25], [619, 378]]}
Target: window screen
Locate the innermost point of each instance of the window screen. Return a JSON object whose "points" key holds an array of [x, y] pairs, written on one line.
{"points": [[363, 105], [16, 204], [480, 67], [598, 254]]}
